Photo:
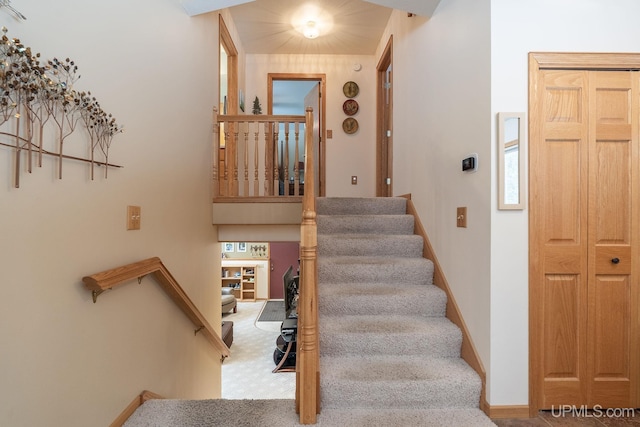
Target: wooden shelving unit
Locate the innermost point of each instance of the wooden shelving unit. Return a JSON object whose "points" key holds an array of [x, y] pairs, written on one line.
{"points": [[243, 280], [248, 285]]}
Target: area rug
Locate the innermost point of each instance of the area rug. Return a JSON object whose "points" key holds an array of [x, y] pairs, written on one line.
{"points": [[273, 311]]}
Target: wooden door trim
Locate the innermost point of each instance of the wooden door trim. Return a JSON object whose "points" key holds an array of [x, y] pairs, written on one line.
{"points": [[384, 156], [584, 61], [539, 61], [226, 40], [227, 152], [322, 78]]}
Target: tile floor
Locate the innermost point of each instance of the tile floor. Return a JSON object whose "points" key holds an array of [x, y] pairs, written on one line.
{"points": [[248, 374]]}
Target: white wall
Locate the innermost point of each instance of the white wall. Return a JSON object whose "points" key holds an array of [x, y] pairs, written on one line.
{"points": [[441, 114], [347, 155], [517, 29], [81, 363]]}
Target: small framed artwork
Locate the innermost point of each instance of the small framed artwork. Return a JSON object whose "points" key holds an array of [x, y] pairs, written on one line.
{"points": [[242, 247], [228, 247]]}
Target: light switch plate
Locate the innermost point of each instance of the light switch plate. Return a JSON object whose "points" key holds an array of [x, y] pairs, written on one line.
{"points": [[133, 217], [461, 217]]}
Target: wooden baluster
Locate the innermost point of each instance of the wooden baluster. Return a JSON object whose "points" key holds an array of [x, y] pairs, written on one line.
{"points": [[215, 153], [256, 162], [275, 175], [296, 167], [245, 189], [235, 146], [285, 167], [267, 166], [227, 160]]}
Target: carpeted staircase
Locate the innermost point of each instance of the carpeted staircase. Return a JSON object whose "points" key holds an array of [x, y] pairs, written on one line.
{"points": [[388, 354]]}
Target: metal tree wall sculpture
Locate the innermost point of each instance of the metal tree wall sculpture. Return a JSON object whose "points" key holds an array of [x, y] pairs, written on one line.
{"points": [[34, 94]]}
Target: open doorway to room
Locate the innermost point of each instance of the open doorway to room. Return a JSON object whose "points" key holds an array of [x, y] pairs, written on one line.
{"points": [[384, 131], [291, 94], [253, 273]]}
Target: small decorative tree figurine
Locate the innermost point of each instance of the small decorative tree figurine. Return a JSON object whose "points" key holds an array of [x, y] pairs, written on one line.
{"points": [[257, 108]]}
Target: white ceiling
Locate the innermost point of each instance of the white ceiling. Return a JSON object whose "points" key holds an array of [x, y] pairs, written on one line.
{"points": [[265, 26]]}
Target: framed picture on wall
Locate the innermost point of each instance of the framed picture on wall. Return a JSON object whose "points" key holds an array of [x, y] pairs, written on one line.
{"points": [[242, 247], [228, 247]]}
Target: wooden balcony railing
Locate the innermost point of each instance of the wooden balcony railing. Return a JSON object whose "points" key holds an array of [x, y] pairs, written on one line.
{"points": [[100, 282], [259, 155]]}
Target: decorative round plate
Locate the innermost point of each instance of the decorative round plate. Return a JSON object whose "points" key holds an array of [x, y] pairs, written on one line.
{"points": [[350, 89], [350, 125], [350, 107]]}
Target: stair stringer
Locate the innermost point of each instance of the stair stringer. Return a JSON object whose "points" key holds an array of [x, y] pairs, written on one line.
{"points": [[468, 351]]}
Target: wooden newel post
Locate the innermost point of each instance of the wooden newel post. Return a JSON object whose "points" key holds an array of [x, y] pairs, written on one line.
{"points": [[308, 366]]}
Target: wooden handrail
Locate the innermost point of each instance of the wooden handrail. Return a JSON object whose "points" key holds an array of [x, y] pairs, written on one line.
{"points": [[307, 358], [100, 282]]}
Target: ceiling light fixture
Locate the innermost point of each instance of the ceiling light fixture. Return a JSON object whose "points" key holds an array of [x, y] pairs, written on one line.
{"points": [[310, 21], [310, 30]]}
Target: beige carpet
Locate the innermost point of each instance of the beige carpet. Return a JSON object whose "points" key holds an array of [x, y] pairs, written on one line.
{"points": [[247, 374]]}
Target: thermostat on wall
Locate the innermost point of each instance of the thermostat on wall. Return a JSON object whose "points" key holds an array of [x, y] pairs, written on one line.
{"points": [[470, 164]]}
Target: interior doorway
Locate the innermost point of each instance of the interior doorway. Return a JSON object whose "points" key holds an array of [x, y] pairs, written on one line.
{"points": [[282, 256], [291, 94], [384, 131]]}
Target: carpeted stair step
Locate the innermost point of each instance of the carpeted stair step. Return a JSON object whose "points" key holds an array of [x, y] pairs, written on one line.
{"points": [[394, 271], [398, 381], [281, 413], [214, 412], [370, 245], [349, 224], [361, 205], [389, 335], [383, 299], [405, 417]]}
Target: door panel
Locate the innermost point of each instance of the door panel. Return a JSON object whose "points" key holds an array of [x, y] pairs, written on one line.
{"points": [[613, 130], [282, 255], [584, 287], [312, 99], [563, 183]]}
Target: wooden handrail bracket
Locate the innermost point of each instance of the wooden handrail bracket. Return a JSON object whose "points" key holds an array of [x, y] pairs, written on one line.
{"points": [[109, 279]]}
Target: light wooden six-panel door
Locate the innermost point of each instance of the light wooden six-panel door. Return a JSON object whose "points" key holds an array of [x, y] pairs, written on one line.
{"points": [[584, 214]]}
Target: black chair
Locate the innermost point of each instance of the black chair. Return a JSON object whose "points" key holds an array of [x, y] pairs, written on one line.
{"points": [[284, 356]]}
